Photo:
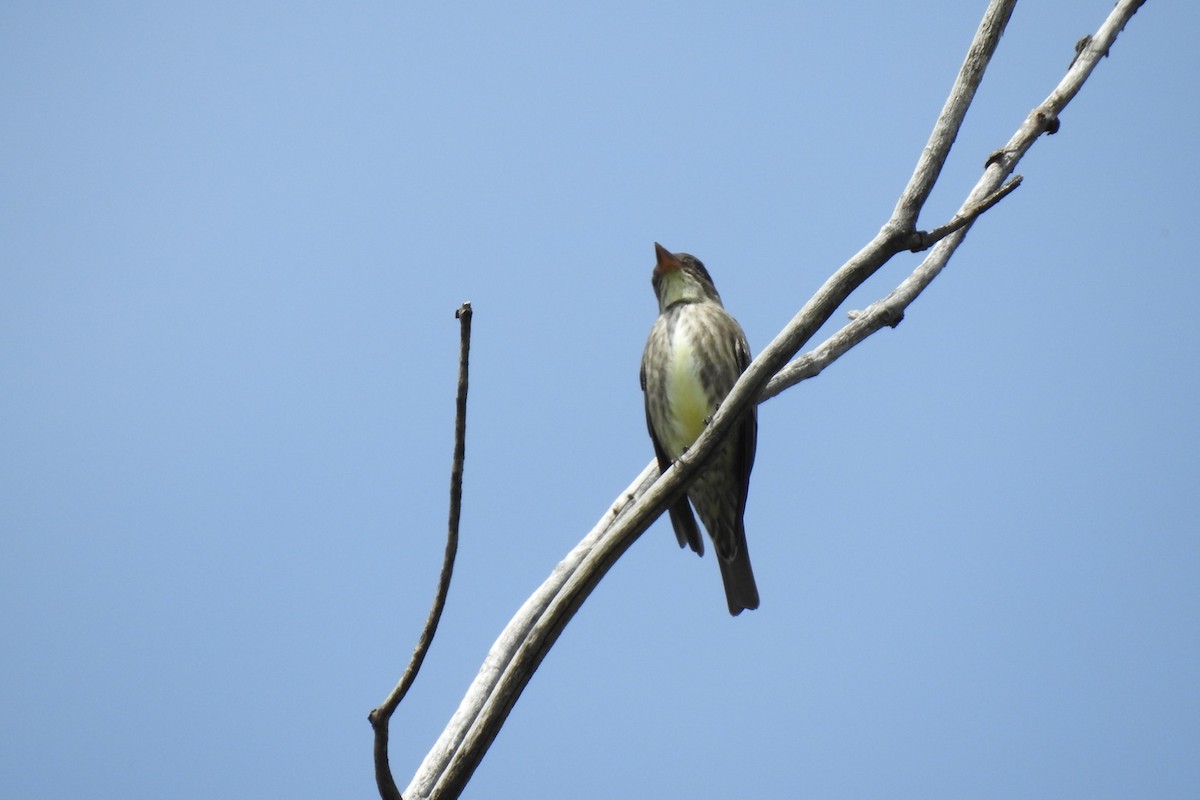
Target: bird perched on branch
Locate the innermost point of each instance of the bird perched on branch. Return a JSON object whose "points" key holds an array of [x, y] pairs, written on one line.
{"points": [[693, 356]]}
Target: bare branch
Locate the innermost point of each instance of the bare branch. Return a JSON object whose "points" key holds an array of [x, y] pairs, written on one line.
{"points": [[893, 237], [889, 311], [945, 130], [380, 717], [533, 630]]}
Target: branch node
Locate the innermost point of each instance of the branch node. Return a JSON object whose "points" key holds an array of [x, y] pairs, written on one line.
{"points": [[1080, 46], [1049, 122], [918, 241], [997, 157]]}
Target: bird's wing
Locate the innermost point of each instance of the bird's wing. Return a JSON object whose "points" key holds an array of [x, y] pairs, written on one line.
{"points": [[747, 431]]}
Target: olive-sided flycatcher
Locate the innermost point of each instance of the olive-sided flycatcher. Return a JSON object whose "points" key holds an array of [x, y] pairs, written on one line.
{"points": [[694, 355]]}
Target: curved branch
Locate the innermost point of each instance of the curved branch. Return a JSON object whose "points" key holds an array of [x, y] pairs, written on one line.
{"points": [[380, 717], [533, 630]]}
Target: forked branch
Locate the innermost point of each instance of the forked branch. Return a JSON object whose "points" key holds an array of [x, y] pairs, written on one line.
{"points": [[533, 630]]}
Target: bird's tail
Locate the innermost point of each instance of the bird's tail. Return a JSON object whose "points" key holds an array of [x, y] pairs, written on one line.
{"points": [[741, 592]]}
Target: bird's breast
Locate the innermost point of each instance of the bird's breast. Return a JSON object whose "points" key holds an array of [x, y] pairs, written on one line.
{"points": [[687, 398]]}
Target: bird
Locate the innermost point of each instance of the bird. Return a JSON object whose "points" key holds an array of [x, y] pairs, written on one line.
{"points": [[693, 356]]}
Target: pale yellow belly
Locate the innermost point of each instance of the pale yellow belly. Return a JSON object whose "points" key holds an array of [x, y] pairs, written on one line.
{"points": [[689, 402]]}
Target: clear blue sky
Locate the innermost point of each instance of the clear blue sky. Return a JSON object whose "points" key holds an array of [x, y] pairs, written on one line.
{"points": [[232, 239]]}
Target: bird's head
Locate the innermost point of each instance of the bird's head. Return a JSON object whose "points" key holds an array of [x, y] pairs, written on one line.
{"points": [[681, 278]]}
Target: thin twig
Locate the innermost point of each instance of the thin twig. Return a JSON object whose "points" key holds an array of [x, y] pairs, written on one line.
{"points": [[380, 717], [923, 240]]}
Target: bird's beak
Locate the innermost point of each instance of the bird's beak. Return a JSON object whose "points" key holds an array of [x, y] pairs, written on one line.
{"points": [[666, 260]]}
